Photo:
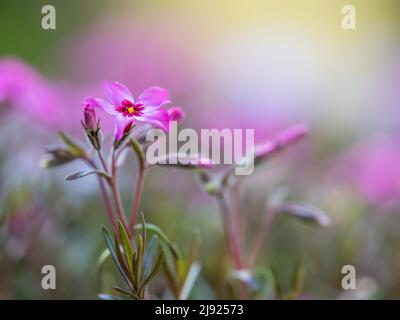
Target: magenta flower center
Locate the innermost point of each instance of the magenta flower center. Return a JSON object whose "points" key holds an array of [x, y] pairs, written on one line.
{"points": [[130, 109]]}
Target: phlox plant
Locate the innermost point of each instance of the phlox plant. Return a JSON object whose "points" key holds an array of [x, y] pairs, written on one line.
{"points": [[141, 250]]}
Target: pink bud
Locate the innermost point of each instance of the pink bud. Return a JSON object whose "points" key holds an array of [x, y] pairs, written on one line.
{"points": [[89, 114], [176, 114]]}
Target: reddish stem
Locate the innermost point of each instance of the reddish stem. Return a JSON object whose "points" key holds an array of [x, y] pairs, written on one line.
{"points": [[231, 239], [261, 234], [105, 197]]}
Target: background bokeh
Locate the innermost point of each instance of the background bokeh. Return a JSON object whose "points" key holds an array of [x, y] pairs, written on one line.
{"points": [[257, 64]]}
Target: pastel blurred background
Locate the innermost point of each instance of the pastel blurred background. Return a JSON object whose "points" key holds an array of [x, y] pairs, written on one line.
{"points": [[257, 64]]}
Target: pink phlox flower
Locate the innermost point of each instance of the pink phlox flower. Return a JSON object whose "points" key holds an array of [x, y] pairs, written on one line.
{"points": [[147, 108]]}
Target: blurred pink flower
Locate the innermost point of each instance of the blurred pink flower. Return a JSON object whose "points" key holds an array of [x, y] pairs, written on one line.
{"points": [[373, 166], [23, 88], [164, 57], [39, 100], [148, 108], [282, 140]]}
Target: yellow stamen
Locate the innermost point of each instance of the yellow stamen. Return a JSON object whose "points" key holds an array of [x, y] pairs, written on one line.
{"points": [[131, 109]]}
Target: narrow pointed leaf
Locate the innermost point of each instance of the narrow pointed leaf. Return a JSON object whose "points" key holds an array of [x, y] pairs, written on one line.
{"points": [[190, 280], [126, 243], [155, 270], [172, 282], [123, 263], [149, 255], [100, 263], [84, 173], [139, 260], [111, 246], [162, 236], [72, 145]]}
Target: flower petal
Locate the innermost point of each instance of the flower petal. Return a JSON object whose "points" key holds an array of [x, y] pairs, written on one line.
{"points": [[116, 92], [154, 97], [158, 118], [100, 103], [122, 126]]}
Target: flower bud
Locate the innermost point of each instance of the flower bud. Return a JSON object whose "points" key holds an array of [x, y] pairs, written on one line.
{"points": [[176, 114], [91, 125], [89, 114]]}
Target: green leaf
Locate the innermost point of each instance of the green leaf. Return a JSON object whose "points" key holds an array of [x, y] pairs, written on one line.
{"points": [[126, 243], [149, 254], [297, 281], [265, 283], [139, 260], [111, 246], [84, 173], [153, 273], [182, 269], [172, 282], [123, 263], [72, 145], [100, 263], [144, 231], [162, 236], [190, 280]]}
